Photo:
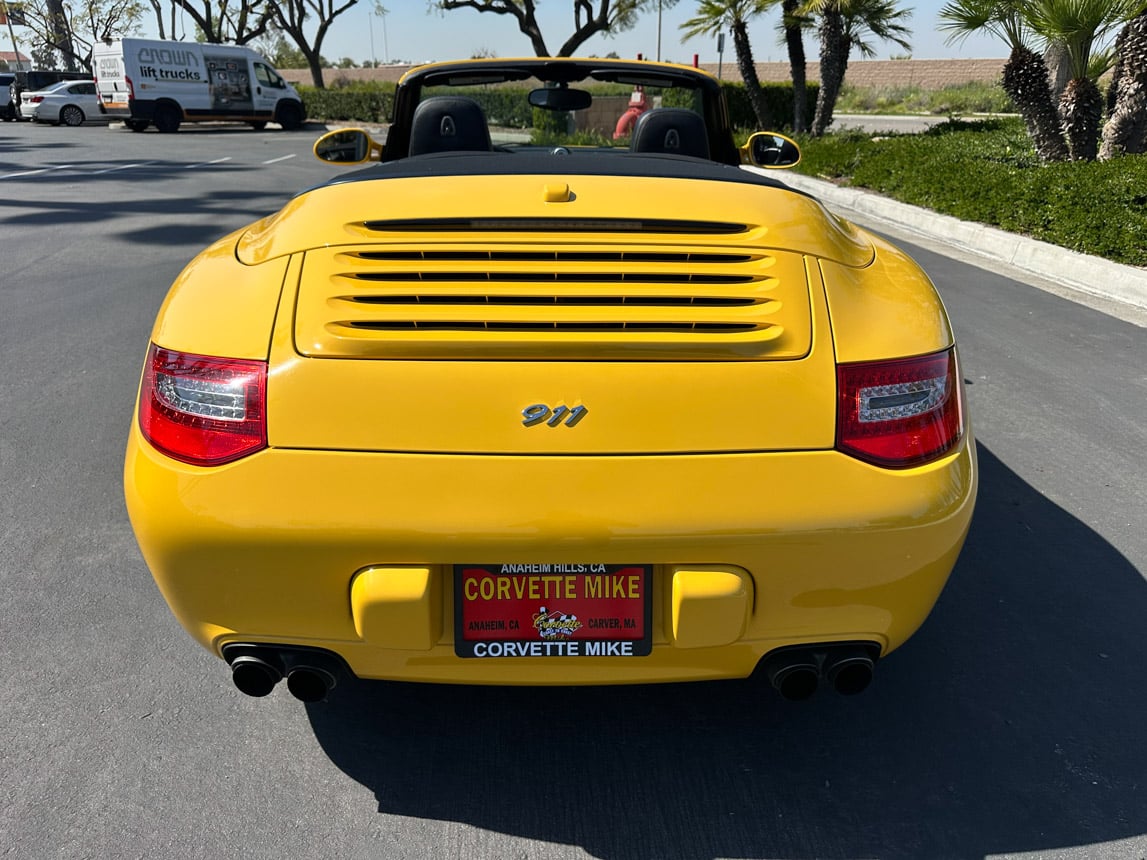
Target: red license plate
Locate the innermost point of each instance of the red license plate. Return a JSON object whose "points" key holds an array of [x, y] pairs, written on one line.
{"points": [[553, 610]]}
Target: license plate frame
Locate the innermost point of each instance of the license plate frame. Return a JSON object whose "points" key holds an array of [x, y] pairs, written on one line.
{"points": [[569, 611]]}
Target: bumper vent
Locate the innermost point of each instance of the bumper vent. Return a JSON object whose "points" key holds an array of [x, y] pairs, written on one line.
{"points": [[568, 302]]}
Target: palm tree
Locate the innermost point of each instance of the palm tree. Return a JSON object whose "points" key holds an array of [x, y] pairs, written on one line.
{"points": [[793, 27], [843, 25], [1126, 129], [713, 16], [1078, 25], [1025, 76]]}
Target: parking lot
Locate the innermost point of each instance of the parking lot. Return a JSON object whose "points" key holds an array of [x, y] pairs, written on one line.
{"points": [[1009, 726]]}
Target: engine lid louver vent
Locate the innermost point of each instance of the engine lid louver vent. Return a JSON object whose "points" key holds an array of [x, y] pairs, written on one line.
{"points": [[574, 301]]}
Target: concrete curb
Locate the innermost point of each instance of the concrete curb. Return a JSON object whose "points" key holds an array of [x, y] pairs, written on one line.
{"points": [[1091, 275]]}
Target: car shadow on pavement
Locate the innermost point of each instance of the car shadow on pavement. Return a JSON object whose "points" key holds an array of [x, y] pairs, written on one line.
{"points": [[1012, 722]]}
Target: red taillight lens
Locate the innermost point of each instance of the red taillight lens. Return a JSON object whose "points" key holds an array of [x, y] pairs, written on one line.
{"points": [[202, 410], [130, 87], [36, 99], [900, 413]]}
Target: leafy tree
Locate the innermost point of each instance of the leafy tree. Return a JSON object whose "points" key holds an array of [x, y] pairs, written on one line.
{"points": [[1126, 129], [296, 17], [1077, 25], [220, 21], [1025, 76], [609, 16], [715, 15], [69, 32], [843, 25]]}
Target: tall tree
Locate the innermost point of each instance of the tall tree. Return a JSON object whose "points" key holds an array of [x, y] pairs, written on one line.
{"points": [[295, 19], [69, 31], [227, 21], [609, 16], [1078, 25], [715, 15], [1126, 129], [1025, 76], [844, 24], [793, 27]]}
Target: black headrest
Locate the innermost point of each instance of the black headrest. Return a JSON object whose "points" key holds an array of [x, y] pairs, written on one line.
{"points": [[672, 131], [449, 124]]}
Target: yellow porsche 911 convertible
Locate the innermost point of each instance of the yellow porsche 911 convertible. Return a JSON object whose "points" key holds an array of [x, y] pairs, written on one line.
{"points": [[558, 386]]}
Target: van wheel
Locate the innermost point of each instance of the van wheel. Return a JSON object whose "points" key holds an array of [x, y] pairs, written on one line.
{"points": [[167, 119], [71, 115], [258, 126], [290, 116], [136, 124]]}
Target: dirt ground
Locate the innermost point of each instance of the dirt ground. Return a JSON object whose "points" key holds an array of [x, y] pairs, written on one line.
{"points": [[929, 74]]}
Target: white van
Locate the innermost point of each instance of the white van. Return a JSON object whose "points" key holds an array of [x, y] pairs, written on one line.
{"points": [[149, 81]]}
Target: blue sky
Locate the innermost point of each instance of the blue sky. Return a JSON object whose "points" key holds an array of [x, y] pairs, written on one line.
{"points": [[411, 33]]}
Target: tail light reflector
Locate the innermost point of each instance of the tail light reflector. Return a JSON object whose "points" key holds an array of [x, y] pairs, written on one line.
{"points": [[202, 410], [901, 413]]}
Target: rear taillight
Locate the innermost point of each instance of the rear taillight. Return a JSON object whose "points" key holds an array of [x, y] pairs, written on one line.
{"points": [[901, 413], [202, 410], [130, 87], [36, 99]]}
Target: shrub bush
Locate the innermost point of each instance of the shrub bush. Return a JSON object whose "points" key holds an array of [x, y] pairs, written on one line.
{"points": [[356, 102], [988, 172]]}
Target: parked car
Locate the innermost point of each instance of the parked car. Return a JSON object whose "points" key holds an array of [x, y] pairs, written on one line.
{"points": [[8, 110], [530, 405], [68, 102], [38, 79]]}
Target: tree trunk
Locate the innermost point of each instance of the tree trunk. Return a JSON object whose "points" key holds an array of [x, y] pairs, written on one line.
{"points": [[1025, 80], [795, 44], [1126, 130], [834, 48], [748, 71], [1081, 108]]}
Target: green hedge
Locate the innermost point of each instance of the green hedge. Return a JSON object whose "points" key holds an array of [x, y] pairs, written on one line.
{"points": [[778, 100], [361, 102], [506, 105], [987, 172]]}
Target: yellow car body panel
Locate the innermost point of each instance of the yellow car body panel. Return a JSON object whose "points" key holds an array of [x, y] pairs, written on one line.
{"points": [[267, 549]]}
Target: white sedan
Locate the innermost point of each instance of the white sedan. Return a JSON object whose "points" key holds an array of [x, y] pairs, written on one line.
{"points": [[68, 102]]}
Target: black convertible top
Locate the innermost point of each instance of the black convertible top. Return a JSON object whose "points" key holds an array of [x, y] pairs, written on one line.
{"points": [[546, 163]]}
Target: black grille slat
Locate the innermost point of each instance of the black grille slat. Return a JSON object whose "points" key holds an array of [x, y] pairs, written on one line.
{"points": [[549, 301], [554, 256], [558, 277], [554, 225], [467, 325]]}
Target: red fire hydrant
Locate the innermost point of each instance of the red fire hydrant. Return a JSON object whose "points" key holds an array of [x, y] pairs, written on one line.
{"points": [[637, 106]]}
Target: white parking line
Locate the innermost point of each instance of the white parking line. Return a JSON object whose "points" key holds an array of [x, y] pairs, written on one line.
{"points": [[122, 167], [34, 172], [206, 163], [276, 160]]}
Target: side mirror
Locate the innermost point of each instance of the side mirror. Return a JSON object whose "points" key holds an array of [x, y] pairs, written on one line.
{"points": [[347, 146], [769, 149]]}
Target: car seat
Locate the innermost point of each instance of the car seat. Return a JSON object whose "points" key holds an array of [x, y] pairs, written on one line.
{"points": [[671, 131], [449, 124]]}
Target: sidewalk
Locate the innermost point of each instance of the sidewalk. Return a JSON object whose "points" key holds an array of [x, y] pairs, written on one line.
{"points": [[986, 246]]}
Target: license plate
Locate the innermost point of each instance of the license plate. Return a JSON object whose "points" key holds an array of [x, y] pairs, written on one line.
{"points": [[553, 610]]}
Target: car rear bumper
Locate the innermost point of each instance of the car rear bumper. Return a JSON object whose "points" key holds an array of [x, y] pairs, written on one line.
{"points": [[827, 549]]}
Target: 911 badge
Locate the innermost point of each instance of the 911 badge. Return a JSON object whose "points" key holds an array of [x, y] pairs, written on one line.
{"points": [[552, 610], [558, 416]]}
